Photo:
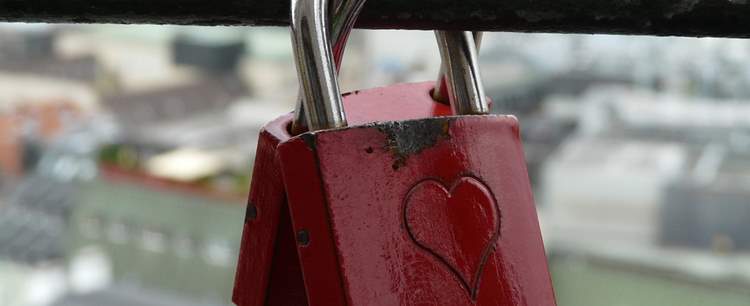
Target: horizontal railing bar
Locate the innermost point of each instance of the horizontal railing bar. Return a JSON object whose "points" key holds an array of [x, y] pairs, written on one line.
{"points": [[719, 18]]}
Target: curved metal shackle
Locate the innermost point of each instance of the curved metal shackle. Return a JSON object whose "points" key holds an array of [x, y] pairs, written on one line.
{"points": [[440, 93], [458, 51], [321, 97], [322, 102], [345, 13]]}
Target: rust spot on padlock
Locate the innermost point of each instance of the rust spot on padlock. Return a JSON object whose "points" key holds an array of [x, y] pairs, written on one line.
{"points": [[350, 93], [406, 138]]}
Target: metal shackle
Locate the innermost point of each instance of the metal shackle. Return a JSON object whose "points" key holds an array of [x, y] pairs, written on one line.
{"points": [[345, 13], [458, 50], [321, 99], [440, 93]]}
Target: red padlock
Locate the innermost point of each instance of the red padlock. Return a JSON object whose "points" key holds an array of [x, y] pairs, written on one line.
{"points": [[431, 211], [415, 210], [268, 271]]}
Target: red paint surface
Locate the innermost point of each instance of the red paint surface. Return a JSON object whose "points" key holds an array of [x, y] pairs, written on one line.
{"points": [[458, 225], [376, 238], [350, 189], [267, 260], [393, 103], [268, 271]]}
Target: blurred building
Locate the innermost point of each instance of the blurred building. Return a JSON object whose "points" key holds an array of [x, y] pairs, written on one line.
{"points": [[33, 70], [604, 189], [208, 53], [662, 116], [30, 50], [158, 116], [613, 273], [168, 205], [710, 207], [541, 137], [160, 235], [32, 228], [26, 129], [648, 196], [630, 147], [41, 93], [34, 220]]}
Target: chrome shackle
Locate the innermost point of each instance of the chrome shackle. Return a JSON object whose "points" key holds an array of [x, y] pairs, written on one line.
{"points": [[317, 61], [345, 13]]}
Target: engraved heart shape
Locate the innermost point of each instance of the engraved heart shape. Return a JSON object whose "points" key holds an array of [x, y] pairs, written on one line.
{"points": [[458, 226]]}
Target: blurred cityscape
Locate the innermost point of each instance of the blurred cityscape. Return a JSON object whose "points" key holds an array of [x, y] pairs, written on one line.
{"points": [[126, 153]]}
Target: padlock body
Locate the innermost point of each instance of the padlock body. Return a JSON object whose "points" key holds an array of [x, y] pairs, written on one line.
{"points": [[435, 211], [268, 269]]}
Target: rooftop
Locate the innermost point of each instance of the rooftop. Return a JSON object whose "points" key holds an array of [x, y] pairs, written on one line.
{"points": [[32, 224]]}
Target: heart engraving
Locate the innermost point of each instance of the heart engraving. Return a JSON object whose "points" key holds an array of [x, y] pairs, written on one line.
{"points": [[458, 226]]}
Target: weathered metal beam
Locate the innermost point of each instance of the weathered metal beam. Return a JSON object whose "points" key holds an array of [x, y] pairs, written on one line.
{"points": [[721, 18]]}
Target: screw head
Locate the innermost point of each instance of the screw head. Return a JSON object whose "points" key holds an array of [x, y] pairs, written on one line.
{"points": [[303, 237], [252, 212]]}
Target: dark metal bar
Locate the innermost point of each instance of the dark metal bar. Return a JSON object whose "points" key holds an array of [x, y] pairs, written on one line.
{"points": [[722, 18]]}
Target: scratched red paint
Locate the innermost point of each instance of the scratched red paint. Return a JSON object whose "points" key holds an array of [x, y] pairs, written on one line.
{"points": [[268, 270], [348, 189]]}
